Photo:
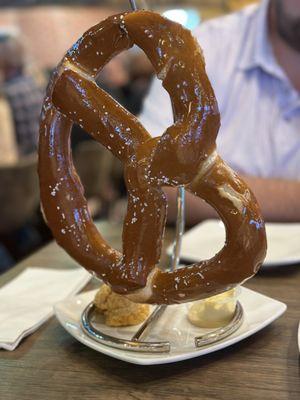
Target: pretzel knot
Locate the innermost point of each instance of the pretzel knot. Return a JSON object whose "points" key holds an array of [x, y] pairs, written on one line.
{"points": [[184, 155]]}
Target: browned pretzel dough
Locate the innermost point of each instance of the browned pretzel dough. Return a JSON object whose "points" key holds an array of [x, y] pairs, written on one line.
{"points": [[184, 155]]}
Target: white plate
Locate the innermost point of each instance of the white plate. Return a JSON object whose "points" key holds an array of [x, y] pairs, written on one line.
{"points": [[260, 311], [206, 239]]}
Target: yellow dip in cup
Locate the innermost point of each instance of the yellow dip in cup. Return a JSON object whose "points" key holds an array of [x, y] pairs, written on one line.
{"points": [[214, 312]]}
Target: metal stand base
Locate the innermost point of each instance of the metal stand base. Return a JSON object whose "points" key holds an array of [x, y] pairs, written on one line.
{"points": [[134, 344], [123, 344]]}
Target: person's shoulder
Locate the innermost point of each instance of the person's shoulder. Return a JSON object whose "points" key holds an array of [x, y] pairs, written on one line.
{"points": [[222, 41], [226, 27]]}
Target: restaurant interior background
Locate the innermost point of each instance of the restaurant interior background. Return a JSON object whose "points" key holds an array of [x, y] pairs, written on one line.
{"points": [[34, 35]]}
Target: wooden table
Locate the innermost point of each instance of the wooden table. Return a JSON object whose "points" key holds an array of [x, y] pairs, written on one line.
{"points": [[51, 364]]}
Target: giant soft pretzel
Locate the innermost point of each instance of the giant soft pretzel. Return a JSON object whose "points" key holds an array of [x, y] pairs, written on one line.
{"points": [[184, 155]]}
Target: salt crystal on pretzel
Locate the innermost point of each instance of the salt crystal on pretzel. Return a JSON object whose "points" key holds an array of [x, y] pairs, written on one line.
{"points": [[184, 155]]}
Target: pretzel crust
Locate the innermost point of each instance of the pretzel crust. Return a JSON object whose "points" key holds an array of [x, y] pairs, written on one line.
{"points": [[184, 155]]}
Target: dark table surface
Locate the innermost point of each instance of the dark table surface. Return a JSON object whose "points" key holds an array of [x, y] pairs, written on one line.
{"points": [[51, 364]]}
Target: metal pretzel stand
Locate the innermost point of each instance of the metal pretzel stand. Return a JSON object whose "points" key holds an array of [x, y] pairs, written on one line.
{"points": [[135, 343]]}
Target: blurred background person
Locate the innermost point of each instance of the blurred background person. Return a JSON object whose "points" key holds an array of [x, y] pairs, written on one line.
{"points": [[20, 104], [253, 62], [21, 92]]}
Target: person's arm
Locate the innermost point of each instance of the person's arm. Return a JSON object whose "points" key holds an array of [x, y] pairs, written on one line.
{"points": [[196, 209], [8, 143], [279, 200]]}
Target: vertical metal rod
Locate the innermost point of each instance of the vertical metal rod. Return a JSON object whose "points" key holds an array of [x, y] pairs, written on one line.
{"points": [[133, 5], [180, 224]]}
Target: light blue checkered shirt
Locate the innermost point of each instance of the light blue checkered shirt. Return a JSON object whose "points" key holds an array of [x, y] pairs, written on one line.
{"points": [[260, 110]]}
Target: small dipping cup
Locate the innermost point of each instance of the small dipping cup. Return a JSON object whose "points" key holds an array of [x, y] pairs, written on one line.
{"points": [[215, 311]]}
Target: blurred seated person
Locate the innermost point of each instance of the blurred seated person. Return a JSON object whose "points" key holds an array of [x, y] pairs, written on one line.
{"points": [[20, 104], [253, 62], [21, 92]]}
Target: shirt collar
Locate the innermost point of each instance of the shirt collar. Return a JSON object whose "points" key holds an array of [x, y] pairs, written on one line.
{"points": [[258, 52]]}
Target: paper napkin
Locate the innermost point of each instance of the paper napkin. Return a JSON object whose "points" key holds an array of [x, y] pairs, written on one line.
{"points": [[27, 301]]}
